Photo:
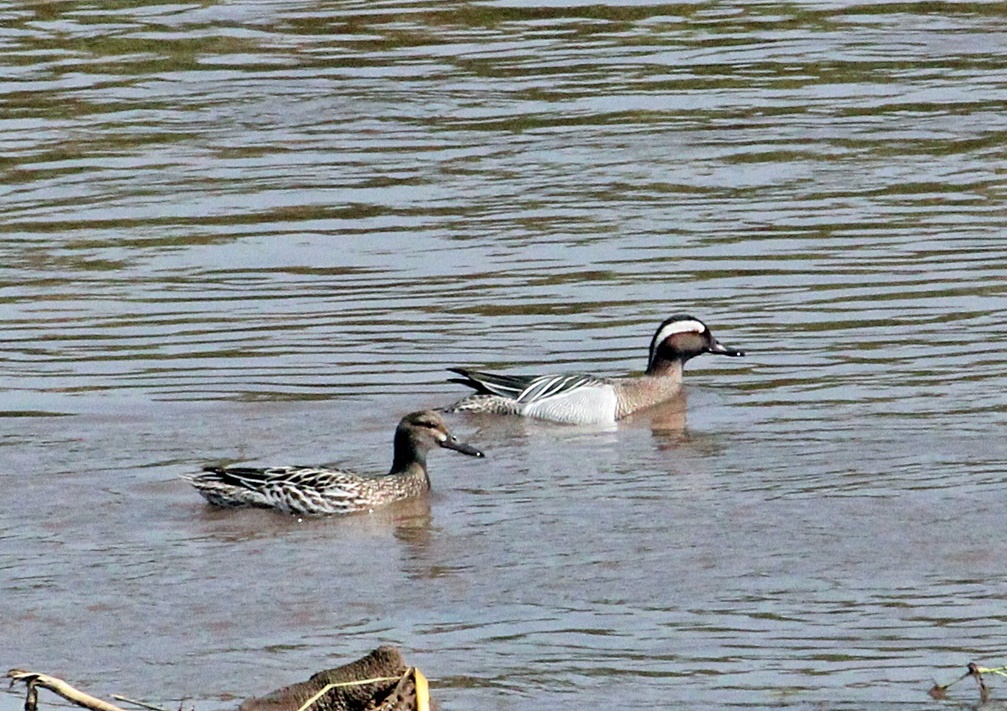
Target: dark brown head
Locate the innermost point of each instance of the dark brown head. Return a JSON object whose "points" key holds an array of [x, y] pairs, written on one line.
{"points": [[680, 338], [422, 431]]}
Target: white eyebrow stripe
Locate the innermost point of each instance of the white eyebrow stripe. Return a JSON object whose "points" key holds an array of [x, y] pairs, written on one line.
{"points": [[679, 327]]}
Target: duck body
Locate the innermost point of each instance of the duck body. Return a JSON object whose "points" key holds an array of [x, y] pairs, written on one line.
{"points": [[305, 489], [571, 398], [310, 490], [588, 399]]}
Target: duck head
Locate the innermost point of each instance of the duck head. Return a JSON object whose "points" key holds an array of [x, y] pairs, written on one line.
{"points": [[680, 338], [425, 430]]}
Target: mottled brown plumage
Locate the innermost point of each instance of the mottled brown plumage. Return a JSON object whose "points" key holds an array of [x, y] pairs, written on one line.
{"points": [[330, 490]]}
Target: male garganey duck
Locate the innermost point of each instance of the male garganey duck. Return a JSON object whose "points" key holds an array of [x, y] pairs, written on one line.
{"points": [[588, 399], [327, 490]]}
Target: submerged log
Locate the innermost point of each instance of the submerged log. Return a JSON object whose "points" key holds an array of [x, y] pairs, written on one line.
{"points": [[380, 681]]}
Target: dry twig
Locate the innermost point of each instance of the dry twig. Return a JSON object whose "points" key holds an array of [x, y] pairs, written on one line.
{"points": [[975, 671], [34, 680]]}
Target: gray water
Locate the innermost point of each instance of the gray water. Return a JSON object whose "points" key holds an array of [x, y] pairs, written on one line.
{"points": [[260, 232]]}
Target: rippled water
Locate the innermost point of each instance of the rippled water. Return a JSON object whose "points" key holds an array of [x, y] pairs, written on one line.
{"points": [[261, 231]]}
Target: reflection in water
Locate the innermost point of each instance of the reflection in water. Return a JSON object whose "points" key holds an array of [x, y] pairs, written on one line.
{"points": [[264, 230], [409, 520], [667, 419]]}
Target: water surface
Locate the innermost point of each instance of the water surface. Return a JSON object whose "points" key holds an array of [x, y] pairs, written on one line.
{"points": [[259, 232]]}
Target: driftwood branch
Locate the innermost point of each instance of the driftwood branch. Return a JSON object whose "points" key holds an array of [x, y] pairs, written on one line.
{"points": [[379, 681], [34, 680]]}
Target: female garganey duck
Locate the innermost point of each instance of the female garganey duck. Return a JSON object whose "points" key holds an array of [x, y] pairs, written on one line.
{"points": [[326, 490], [587, 399]]}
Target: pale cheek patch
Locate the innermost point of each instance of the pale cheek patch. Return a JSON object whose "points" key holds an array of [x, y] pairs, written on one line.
{"points": [[677, 327]]}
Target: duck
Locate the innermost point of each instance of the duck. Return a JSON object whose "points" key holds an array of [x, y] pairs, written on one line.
{"points": [[584, 399], [307, 490]]}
